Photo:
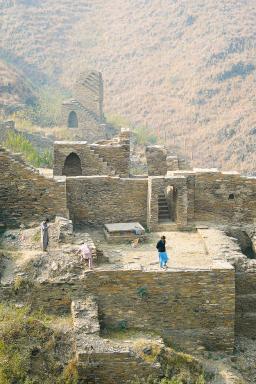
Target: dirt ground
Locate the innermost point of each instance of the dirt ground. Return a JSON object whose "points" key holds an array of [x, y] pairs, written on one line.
{"points": [[186, 251]]}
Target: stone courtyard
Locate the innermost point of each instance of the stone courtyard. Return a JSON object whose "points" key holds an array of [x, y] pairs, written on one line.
{"points": [[187, 251]]}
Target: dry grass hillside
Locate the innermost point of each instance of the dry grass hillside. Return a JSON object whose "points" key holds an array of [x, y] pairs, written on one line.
{"points": [[185, 68], [15, 89]]}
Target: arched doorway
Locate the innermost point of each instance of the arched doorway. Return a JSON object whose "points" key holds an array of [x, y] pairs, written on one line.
{"points": [[72, 165], [72, 120]]}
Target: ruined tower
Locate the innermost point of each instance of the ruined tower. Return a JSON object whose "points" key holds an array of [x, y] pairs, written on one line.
{"points": [[84, 113]]}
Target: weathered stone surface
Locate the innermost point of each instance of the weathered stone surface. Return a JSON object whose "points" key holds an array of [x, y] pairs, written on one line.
{"points": [[103, 199], [156, 159], [158, 185], [87, 107], [26, 196], [199, 303], [225, 198], [108, 157]]}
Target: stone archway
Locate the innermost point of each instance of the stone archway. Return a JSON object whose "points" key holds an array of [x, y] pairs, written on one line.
{"points": [[72, 165], [72, 120]]}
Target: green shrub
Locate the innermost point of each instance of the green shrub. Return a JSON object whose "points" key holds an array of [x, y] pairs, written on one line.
{"points": [[122, 325], [177, 367], [144, 136], [46, 110], [142, 292], [29, 350], [118, 121], [18, 143]]}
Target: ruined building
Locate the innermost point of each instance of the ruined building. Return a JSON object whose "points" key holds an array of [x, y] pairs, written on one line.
{"points": [[84, 112], [92, 185]]}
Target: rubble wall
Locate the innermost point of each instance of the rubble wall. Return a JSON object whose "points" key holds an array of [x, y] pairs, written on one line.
{"points": [[27, 197], [225, 198], [198, 305], [105, 199], [156, 160], [246, 303]]}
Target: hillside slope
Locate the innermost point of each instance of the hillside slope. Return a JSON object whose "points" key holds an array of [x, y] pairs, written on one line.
{"points": [[186, 70], [15, 89]]}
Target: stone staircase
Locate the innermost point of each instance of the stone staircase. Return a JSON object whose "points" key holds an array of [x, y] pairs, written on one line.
{"points": [[163, 209], [101, 360], [106, 167]]}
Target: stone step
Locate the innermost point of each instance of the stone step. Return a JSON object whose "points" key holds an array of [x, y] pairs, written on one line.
{"points": [[104, 163], [166, 226]]}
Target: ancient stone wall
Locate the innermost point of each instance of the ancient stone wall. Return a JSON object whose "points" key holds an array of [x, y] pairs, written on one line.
{"points": [[103, 199], [84, 114], [118, 156], [90, 162], [246, 303], [186, 308], [25, 196], [156, 186], [88, 90], [197, 306], [224, 198], [156, 160], [100, 360], [89, 127]]}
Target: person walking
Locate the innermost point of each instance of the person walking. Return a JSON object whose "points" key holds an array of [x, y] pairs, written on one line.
{"points": [[163, 257], [44, 234], [86, 254]]}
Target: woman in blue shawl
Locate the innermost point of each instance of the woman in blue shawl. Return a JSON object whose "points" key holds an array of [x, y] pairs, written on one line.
{"points": [[163, 257]]}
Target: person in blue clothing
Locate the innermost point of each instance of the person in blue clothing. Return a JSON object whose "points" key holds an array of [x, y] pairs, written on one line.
{"points": [[163, 257]]}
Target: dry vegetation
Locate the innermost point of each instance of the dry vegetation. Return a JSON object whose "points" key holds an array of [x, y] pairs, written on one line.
{"points": [[15, 89], [186, 69]]}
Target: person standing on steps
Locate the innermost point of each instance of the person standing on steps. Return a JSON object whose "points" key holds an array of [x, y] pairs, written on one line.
{"points": [[44, 234], [163, 257]]}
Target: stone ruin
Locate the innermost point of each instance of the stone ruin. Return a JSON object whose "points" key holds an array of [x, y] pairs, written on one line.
{"points": [[92, 186], [83, 114]]}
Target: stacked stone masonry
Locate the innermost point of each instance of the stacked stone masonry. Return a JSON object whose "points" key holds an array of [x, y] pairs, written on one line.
{"points": [[196, 307], [115, 361], [25, 196], [103, 199], [108, 157], [84, 113], [224, 198]]}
